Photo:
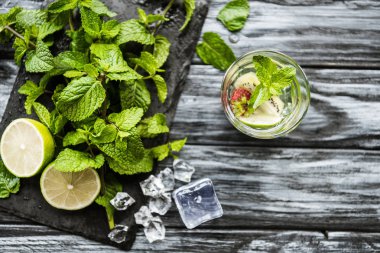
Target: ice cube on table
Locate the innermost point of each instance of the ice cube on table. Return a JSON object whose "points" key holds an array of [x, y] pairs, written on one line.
{"points": [[155, 230], [197, 203], [143, 216], [152, 186], [167, 178], [122, 201], [161, 204], [118, 234], [182, 170]]}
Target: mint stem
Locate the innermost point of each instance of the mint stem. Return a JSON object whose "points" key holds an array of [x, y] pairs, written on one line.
{"points": [[18, 35], [166, 10]]}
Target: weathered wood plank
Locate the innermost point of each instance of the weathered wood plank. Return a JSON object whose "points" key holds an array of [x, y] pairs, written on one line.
{"points": [[287, 188], [343, 111], [18, 238], [315, 33], [290, 188]]}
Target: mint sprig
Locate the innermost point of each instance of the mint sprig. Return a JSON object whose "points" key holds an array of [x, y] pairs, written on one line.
{"points": [[97, 90], [272, 80]]}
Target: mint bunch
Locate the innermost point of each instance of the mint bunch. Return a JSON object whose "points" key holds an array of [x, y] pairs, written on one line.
{"points": [[98, 88], [272, 80]]}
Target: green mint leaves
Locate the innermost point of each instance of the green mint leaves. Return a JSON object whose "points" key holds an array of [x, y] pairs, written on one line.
{"points": [[234, 14], [189, 7], [40, 59], [213, 50], [133, 30], [272, 80], [70, 160], [81, 98], [8, 182]]}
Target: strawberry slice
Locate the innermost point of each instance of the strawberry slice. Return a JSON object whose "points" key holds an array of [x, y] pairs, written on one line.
{"points": [[239, 101]]}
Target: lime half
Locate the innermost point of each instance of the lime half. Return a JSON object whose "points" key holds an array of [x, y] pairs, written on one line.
{"points": [[26, 147], [69, 190]]}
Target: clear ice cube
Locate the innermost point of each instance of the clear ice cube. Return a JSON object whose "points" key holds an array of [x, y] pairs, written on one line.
{"points": [[182, 170], [197, 203], [118, 234], [155, 230], [152, 186], [161, 204], [143, 216], [122, 201], [167, 178]]}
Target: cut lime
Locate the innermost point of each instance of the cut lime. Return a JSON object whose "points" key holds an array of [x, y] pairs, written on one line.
{"points": [[260, 119], [26, 147], [69, 190]]}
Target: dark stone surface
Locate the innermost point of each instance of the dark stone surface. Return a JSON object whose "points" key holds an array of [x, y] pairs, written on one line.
{"points": [[91, 222]]}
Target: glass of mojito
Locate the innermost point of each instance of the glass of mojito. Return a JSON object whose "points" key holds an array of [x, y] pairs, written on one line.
{"points": [[265, 94]]}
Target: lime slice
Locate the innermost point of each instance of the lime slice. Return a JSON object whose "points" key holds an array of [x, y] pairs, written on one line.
{"points": [[69, 190], [261, 119], [26, 147]]}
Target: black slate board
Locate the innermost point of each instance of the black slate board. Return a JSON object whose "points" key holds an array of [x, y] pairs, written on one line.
{"points": [[91, 222]]}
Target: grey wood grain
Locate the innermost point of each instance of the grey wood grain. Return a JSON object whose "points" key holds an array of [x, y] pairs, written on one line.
{"points": [[315, 33], [343, 112], [27, 238]]}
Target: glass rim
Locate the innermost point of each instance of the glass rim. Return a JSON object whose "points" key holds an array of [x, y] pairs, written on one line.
{"points": [[281, 128]]}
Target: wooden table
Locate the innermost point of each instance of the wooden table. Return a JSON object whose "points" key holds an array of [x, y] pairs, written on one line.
{"points": [[316, 190]]}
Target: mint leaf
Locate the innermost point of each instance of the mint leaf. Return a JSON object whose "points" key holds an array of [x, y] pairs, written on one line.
{"points": [[134, 94], [78, 40], [74, 138], [70, 160], [70, 60], [161, 50], [106, 135], [153, 126], [112, 187], [99, 8], [272, 80], [126, 119], [91, 22], [123, 168], [162, 90], [213, 50], [189, 7], [73, 73], [160, 152], [117, 150], [8, 182], [29, 18], [136, 150], [46, 29], [58, 121], [177, 145], [20, 48], [39, 60], [62, 5], [32, 91], [110, 29], [81, 98], [91, 70], [260, 95], [234, 14], [42, 113], [264, 67], [132, 30], [110, 58], [124, 76], [146, 61], [282, 78]]}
